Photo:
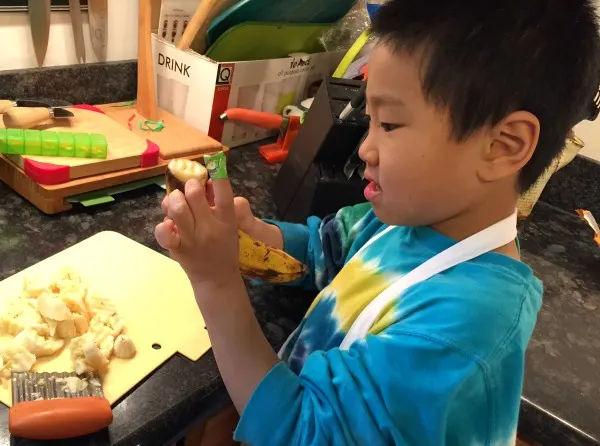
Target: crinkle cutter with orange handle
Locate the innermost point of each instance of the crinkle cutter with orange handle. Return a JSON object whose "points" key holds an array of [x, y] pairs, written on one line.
{"points": [[44, 408]]}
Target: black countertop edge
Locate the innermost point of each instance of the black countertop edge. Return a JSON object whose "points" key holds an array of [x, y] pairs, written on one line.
{"points": [[545, 428]]}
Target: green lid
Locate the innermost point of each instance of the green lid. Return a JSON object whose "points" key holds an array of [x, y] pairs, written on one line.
{"points": [[83, 145], [66, 144], [3, 147], [99, 146], [49, 143], [33, 142], [15, 140]]}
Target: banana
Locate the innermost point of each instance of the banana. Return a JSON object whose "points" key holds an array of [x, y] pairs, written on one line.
{"points": [[265, 263], [257, 260]]}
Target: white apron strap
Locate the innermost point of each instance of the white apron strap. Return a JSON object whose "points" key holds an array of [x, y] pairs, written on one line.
{"points": [[491, 238], [362, 248]]}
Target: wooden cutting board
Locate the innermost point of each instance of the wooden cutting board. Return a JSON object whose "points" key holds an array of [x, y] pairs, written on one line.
{"points": [[152, 294], [126, 150], [177, 139]]}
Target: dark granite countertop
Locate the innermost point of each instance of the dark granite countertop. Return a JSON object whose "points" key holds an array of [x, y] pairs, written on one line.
{"points": [[562, 379]]}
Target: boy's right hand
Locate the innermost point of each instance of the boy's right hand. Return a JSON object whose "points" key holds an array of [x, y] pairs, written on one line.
{"points": [[247, 222]]}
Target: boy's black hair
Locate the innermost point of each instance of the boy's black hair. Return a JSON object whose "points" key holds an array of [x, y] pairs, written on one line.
{"points": [[483, 59]]}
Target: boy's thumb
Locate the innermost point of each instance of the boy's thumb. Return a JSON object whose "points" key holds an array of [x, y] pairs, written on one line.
{"points": [[223, 193]]}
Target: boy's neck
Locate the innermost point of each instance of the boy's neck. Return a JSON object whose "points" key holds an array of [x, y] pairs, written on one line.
{"points": [[478, 218]]}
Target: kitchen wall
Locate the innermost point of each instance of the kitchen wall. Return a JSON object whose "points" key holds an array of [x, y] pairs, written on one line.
{"points": [[19, 53]]}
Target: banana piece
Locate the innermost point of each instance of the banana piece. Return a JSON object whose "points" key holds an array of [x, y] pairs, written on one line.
{"points": [[124, 347], [16, 314], [257, 259], [66, 329], [81, 323], [32, 288], [20, 359], [51, 307], [94, 357], [99, 304], [181, 170], [38, 345]]}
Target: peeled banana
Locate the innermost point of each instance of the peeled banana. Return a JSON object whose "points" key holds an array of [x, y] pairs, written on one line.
{"points": [[257, 259]]}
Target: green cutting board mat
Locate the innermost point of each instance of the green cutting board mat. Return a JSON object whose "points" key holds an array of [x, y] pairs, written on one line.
{"points": [[280, 11], [259, 41]]}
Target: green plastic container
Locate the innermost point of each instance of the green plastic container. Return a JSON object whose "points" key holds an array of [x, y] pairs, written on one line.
{"points": [[83, 145], [49, 143], [3, 146], [33, 142], [15, 141], [66, 144], [99, 146]]}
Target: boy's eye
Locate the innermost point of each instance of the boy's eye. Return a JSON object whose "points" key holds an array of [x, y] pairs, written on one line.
{"points": [[389, 127]]}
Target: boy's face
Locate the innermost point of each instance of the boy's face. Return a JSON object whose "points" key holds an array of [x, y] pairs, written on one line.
{"points": [[419, 175]]}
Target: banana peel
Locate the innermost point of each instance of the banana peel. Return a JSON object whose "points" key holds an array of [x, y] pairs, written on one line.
{"points": [[258, 260], [263, 262]]}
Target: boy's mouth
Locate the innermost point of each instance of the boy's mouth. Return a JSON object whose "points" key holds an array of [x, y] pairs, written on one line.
{"points": [[372, 191]]}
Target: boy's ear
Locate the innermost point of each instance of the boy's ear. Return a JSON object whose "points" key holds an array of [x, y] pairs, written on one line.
{"points": [[513, 142]]}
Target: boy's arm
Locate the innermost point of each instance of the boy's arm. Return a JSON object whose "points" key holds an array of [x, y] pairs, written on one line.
{"points": [[399, 388], [324, 244]]}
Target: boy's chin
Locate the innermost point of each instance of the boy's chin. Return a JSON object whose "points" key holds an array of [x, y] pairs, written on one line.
{"points": [[391, 217]]}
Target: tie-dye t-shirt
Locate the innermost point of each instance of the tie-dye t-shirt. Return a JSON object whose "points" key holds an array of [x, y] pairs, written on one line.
{"points": [[442, 365]]}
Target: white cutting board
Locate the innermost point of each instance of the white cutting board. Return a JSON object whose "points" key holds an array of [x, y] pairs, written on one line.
{"points": [[152, 294]]}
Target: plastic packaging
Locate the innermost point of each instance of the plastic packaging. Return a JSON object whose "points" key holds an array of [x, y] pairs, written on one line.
{"points": [[216, 165], [48, 143], [344, 33]]}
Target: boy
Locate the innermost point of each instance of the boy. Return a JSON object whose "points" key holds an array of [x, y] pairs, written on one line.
{"points": [[419, 332]]}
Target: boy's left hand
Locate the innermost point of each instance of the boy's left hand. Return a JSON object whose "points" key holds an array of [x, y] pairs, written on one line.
{"points": [[202, 237]]}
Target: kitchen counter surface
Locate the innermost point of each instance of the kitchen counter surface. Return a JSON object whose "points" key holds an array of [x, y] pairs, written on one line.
{"points": [[562, 379]]}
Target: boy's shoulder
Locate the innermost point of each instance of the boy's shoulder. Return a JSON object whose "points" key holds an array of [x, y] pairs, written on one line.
{"points": [[485, 307]]}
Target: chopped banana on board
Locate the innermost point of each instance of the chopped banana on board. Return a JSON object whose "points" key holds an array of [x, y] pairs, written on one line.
{"points": [[38, 345], [16, 314], [51, 307], [47, 316], [20, 359], [124, 347]]}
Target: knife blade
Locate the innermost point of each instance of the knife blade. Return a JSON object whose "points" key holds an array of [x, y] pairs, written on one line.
{"points": [[98, 17], [77, 26], [353, 162], [39, 24], [28, 117]]}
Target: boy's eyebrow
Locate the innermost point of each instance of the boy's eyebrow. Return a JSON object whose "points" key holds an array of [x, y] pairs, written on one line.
{"points": [[380, 100]]}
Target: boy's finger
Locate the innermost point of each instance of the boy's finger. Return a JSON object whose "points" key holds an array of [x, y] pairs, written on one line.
{"points": [[166, 236], [224, 208], [163, 205], [195, 195], [181, 214], [210, 193]]}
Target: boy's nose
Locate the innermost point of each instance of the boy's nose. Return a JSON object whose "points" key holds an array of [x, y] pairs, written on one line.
{"points": [[367, 151]]}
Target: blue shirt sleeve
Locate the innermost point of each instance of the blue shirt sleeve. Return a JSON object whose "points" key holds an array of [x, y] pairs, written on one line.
{"points": [[393, 388], [324, 245]]}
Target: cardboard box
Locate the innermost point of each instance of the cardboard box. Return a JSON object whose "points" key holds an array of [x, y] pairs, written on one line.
{"points": [[198, 89]]}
